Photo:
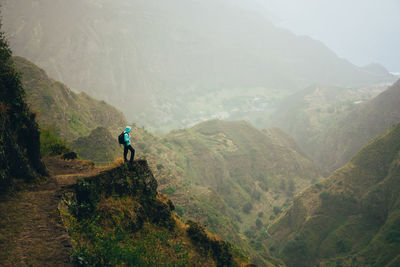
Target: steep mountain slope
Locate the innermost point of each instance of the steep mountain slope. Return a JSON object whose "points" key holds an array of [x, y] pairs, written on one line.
{"points": [[350, 219], [234, 178], [368, 120], [19, 134], [164, 57], [73, 115], [312, 112]]}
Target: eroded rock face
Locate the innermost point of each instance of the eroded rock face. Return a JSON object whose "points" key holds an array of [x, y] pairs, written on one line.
{"points": [[135, 181]]}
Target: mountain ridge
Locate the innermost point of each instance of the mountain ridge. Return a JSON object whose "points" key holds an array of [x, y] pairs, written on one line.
{"points": [[352, 217], [72, 114], [367, 121], [200, 55], [319, 111]]}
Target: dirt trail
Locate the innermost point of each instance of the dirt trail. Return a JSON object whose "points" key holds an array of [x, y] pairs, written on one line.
{"points": [[31, 231]]}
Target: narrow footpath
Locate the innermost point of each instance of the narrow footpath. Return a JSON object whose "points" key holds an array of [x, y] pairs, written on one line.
{"points": [[31, 230]]}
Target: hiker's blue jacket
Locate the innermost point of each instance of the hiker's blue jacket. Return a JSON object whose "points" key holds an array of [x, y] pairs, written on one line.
{"points": [[127, 138]]}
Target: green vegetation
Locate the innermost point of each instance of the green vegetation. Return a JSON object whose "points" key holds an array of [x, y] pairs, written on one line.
{"points": [[89, 126], [73, 115], [393, 235], [118, 218], [51, 144], [324, 195], [179, 210], [223, 176], [296, 252], [19, 133], [354, 221], [117, 248], [170, 190], [277, 210], [160, 166], [247, 207], [220, 250]]}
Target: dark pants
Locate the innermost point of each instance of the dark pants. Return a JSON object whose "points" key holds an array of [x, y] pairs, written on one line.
{"points": [[126, 148]]}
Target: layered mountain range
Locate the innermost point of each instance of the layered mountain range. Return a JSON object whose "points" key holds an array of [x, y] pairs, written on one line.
{"points": [[367, 121], [331, 123], [175, 63]]}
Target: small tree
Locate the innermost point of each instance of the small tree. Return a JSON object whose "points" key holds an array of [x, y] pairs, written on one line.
{"points": [[247, 207], [259, 223], [160, 166], [277, 210]]}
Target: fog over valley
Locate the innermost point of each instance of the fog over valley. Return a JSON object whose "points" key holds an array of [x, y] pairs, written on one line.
{"points": [[171, 64]]}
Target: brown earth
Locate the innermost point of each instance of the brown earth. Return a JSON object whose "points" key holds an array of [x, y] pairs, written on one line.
{"points": [[31, 230]]}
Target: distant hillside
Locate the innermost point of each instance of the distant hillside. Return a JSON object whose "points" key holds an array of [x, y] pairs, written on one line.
{"points": [[314, 111], [170, 64], [73, 115], [99, 146], [282, 138], [235, 178], [347, 136], [352, 218], [19, 135]]}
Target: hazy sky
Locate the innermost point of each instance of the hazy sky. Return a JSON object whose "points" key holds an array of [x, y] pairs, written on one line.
{"points": [[363, 31]]}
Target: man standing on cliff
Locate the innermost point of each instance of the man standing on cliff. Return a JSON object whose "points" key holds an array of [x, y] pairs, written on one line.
{"points": [[127, 144]]}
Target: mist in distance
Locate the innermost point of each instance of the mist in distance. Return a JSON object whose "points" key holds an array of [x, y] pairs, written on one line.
{"points": [[172, 64], [362, 31]]}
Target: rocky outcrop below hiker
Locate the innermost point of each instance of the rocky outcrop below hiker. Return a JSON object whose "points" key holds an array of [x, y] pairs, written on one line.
{"points": [[135, 181], [117, 217]]}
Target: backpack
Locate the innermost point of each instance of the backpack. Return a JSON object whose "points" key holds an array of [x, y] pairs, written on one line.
{"points": [[121, 138]]}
